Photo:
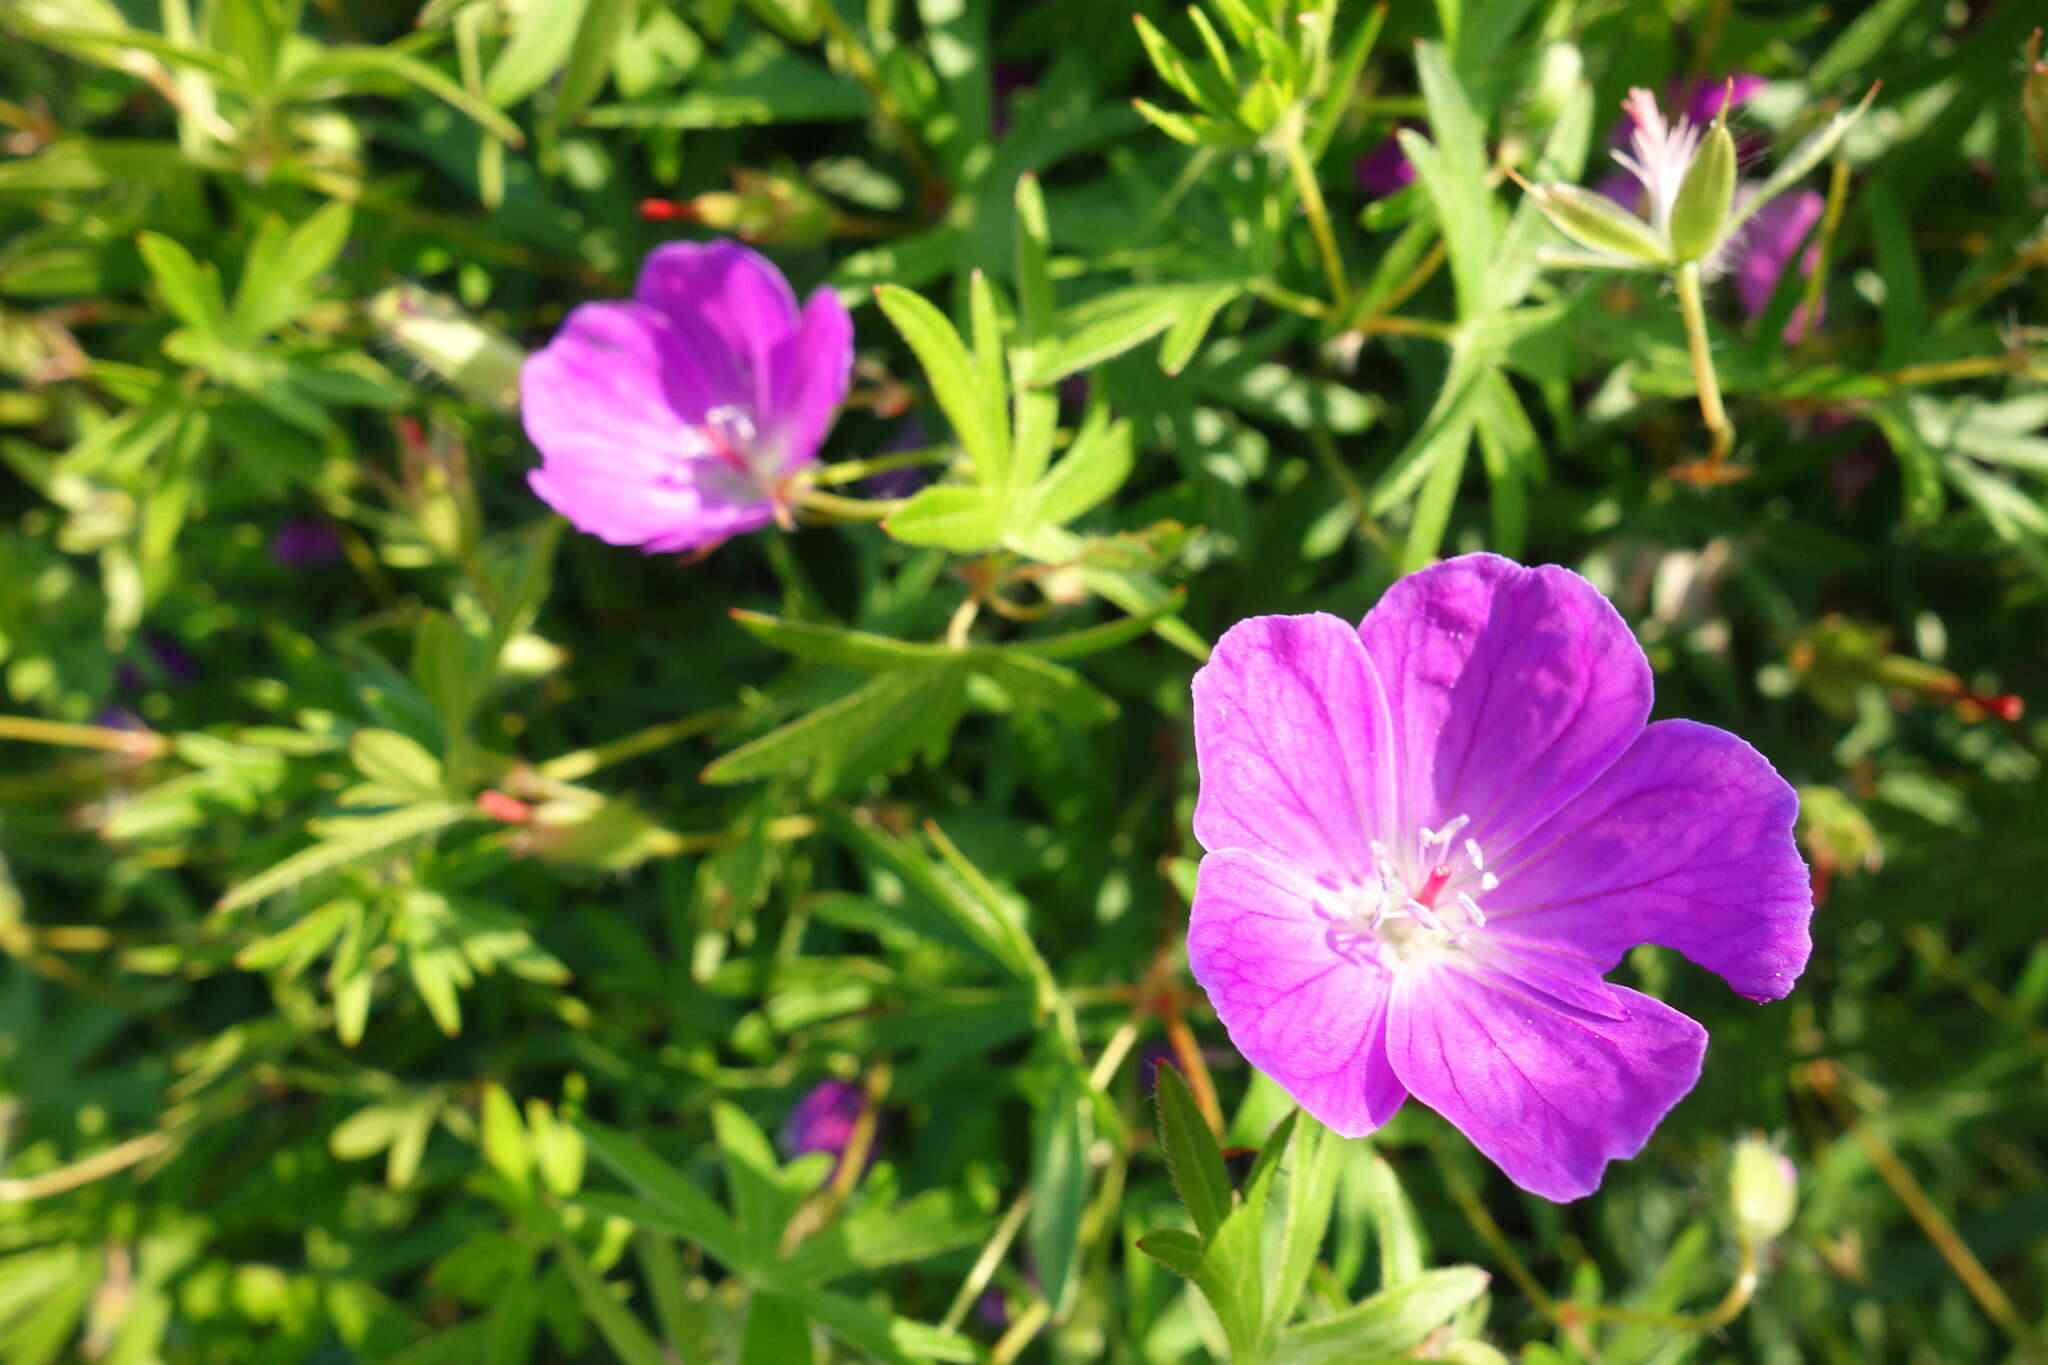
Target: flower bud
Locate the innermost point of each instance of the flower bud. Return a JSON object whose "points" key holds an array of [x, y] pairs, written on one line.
{"points": [[1557, 76], [1699, 215], [1763, 1191], [1595, 221], [762, 206], [474, 360]]}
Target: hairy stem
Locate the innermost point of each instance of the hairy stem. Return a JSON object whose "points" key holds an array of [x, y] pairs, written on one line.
{"points": [[1693, 307]]}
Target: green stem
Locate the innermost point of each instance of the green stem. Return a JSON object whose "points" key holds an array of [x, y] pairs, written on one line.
{"points": [[1693, 306], [141, 742], [852, 471], [1318, 221], [835, 508], [581, 763], [1713, 1320]]}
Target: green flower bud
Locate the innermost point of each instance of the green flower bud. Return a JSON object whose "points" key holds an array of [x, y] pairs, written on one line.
{"points": [[1595, 221], [1763, 1191], [1699, 216], [474, 360]]}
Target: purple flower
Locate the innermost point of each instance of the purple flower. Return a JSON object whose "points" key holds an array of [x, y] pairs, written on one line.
{"points": [[901, 483], [305, 543], [823, 1120], [674, 419], [1431, 836], [1384, 170], [1704, 99], [1769, 243]]}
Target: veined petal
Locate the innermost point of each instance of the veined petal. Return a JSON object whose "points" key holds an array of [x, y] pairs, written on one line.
{"points": [[1291, 736], [1550, 1095], [1302, 995], [811, 369], [729, 308], [1511, 690], [1686, 842], [697, 507]]}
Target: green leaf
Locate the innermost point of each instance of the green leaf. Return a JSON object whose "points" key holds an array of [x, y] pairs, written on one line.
{"points": [[777, 1332], [352, 840], [952, 517], [1095, 639], [843, 648], [396, 761], [1059, 1184], [541, 39], [1393, 1221], [1175, 1248], [1095, 466], [279, 273], [190, 290], [1192, 1155], [1110, 324], [1038, 682], [1390, 1322], [1311, 1194], [590, 58], [346, 65], [897, 1341], [671, 1203], [992, 385], [1034, 249], [1184, 338], [759, 1199], [620, 1329], [1453, 170], [862, 735], [504, 1138], [977, 412]]}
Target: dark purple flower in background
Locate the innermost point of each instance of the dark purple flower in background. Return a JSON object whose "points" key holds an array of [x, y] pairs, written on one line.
{"points": [[1006, 81], [305, 543], [1385, 169], [1431, 835], [1705, 98], [1770, 241], [901, 483], [673, 420], [993, 1308], [823, 1120], [164, 660]]}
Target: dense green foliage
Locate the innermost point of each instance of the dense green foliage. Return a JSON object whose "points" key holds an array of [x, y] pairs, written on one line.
{"points": [[418, 925]]}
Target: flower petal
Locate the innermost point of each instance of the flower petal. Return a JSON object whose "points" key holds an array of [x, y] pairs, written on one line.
{"points": [[1511, 690], [1687, 842], [616, 454], [1550, 1093], [811, 368], [729, 308], [1303, 998], [1291, 738], [1769, 242]]}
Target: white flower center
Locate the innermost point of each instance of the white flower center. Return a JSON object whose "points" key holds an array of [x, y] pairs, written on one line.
{"points": [[1423, 902], [729, 434]]}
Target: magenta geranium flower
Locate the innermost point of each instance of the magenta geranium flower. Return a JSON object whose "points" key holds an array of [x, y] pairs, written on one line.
{"points": [[1429, 838], [1385, 169], [1769, 243], [675, 419], [823, 1121]]}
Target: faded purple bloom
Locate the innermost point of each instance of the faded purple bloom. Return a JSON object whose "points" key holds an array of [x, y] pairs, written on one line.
{"points": [[901, 483], [1769, 242], [823, 1120], [1699, 103], [305, 543], [673, 420], [1431, 835], [1006, 81], [993, 1308], [170, 661], [1384, 170]]}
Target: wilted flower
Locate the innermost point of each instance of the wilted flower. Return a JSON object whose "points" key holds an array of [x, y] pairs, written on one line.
{"points": [[1385, 169], [824, 1119], [675, 419], [1768, 245], [1431, 835]]}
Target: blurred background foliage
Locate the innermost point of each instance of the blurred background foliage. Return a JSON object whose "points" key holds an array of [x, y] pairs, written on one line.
{"points": [[419, 920]]}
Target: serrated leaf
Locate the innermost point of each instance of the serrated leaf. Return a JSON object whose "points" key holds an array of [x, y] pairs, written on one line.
{"points": [[394, 760], [190, 290], [1175, 1248], [1192, 1155], [843, 648], [354, 838], [952, 517], [1112, 323], [979, 416], [1095, 465], [863, 734]]}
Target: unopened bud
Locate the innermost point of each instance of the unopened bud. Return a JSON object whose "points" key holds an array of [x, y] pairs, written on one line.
{"points": [[1699, 216], [1557, 76], [474, 360], [762, 206], [1597, 222], [1763, 1191]]}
